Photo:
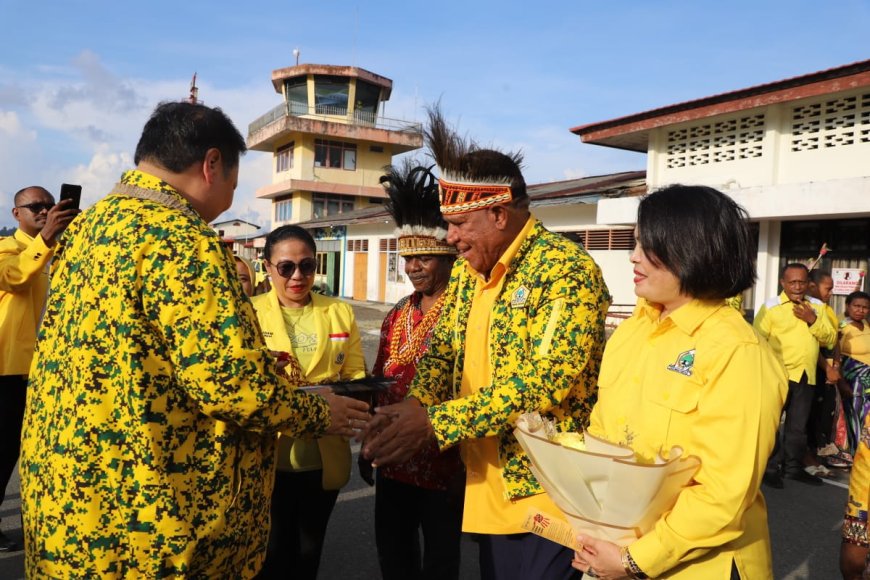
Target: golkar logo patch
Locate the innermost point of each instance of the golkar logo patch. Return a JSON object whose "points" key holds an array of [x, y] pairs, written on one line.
{"points": [[684, 363], [519, 297]]}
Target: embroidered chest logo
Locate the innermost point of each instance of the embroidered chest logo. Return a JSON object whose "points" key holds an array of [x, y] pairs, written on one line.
{"points": [[684, 363], [519, 297]]}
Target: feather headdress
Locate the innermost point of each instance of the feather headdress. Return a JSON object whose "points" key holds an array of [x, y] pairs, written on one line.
{"points": [[413, 203], [471, 177]]}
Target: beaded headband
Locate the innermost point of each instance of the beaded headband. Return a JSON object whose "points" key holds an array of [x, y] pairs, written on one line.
{"points": [[463, 197], [423, 241]]}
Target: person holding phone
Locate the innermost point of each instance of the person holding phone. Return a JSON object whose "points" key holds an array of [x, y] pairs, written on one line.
{"points": [[24, 261], [320, 332]]}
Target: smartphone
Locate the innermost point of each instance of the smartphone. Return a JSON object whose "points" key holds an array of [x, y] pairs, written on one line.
{"points": [[73, 192]]}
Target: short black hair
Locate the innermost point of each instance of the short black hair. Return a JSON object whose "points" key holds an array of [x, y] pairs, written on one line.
{"points": [[179, 134], [857, 294], [816, 276], [16, 199], [794, 266], [701, 236], [491, 164], [289, 232]]}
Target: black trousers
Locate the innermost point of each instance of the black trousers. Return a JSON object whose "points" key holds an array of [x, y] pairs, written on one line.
{"points": [[791, 441], [300, 513], [13, 393], [401, 511], [524, 556]]}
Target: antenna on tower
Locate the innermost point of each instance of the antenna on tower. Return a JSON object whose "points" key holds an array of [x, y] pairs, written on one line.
{"points": [[194, 91], [296, 54]]}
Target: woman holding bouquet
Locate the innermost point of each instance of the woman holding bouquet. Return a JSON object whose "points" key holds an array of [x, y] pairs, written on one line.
{"points": [[686, 370], [322, 334]]}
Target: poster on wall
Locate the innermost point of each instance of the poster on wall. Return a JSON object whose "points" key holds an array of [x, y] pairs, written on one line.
{"points": [[847, 280]]}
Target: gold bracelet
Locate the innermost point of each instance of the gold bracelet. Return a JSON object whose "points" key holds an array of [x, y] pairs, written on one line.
{"points": [[630, 566]]}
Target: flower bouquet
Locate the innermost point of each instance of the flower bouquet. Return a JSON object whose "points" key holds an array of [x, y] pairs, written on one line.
{"points": [[603, 489]]}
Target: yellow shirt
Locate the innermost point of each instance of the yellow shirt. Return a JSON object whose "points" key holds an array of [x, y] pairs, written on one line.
{"points": [[700, 379], [23, 291], [302, 330], [795, 342], [856, 343], [487, 507]]}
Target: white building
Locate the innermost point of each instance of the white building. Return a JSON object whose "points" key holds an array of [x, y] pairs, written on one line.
{"points": [[795, 153]]}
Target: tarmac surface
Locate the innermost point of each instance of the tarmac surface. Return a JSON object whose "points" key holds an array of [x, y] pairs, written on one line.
{"points": [[804, 520]]}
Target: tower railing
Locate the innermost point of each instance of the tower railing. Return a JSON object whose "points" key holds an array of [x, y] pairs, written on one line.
{"points": [[332, 114]]}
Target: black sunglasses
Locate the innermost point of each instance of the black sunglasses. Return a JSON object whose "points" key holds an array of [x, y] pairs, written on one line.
{"points": [[37, 207], [287, 268]]}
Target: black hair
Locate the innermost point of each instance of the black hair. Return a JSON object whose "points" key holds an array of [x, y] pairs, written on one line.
{"points": [[492, 164], [289, 232], [701, 236], [857, 294], [179, 134], [16, 199], [795, 266], [816, 276]]}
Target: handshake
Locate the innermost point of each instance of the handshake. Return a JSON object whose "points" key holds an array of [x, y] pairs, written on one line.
{"points": [[392, 434]]}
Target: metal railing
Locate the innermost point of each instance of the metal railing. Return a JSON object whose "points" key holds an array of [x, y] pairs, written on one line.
{"points": [[331, 113]]}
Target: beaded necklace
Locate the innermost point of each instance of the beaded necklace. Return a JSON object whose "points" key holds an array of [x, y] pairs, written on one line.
{"points": [[409, 350]]}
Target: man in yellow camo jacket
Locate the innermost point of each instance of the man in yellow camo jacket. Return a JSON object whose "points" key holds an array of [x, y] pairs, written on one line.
{"points": [[148, 442]]}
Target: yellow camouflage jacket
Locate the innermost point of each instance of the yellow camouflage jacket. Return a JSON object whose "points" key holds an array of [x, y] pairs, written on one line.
{"points": [[546, 340], [148, 445]]}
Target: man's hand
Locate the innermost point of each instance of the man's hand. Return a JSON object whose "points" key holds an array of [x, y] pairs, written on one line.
{"points": [[805, 312], [832, 374], [397, 433], [56, 221], [347, 416]]}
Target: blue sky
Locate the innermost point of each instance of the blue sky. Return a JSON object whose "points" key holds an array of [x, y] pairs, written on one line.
{"points": [[78, 78]]}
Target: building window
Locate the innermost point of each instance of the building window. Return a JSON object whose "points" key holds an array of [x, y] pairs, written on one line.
{"points": [[330, 95], [335, 154], [833, 123], [322, 263], [296, 91], [729, 140], [284, 158], [610, 239], [357, 245], [327, 205], [395, 263], [367, 98], [284, 210]]}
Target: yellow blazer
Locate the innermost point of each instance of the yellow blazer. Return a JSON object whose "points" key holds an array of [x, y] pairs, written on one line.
{"points": [[339, 356]]}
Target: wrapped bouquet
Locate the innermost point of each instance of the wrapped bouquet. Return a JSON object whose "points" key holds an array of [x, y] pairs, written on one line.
{"points": [[603, 489]]}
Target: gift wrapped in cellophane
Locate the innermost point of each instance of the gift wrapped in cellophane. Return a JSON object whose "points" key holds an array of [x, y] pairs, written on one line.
{"points": [[603, 489]]}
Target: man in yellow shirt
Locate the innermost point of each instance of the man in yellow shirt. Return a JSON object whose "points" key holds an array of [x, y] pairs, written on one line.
{"points": [[796, 325], [522, 330], [24, 259], [149, 435]]}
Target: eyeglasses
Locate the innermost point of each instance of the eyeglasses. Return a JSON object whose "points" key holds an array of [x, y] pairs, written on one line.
{"points": [[37, 207], [306, 267]]}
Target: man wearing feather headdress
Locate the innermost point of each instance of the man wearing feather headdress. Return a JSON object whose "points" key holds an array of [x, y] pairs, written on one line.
{"points": [[522, 330], [425, 492]]}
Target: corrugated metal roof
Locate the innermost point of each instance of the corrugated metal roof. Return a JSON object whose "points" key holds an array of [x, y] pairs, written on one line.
{"points": [[583, 190]]}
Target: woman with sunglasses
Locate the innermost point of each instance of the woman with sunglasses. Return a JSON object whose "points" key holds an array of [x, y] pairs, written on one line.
{"points": [[321, 332]]}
